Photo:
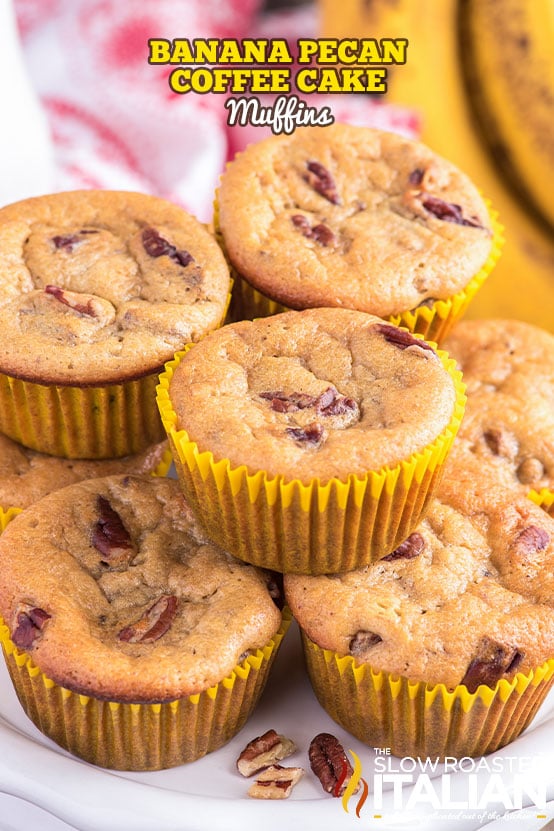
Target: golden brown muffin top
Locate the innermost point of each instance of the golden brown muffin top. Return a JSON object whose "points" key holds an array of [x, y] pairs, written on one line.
{"points": [[113, 590], [507, 433], [351, 216], [26, 476], [465, 599], [100, 286], [320, 393]]}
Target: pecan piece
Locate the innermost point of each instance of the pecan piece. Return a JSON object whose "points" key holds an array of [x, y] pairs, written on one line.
{"points": [[29, 624], [110, 537], [264, 751], [531, 540], [275, 782], [492, 662], [447, 211], [416, 176], [156, 246], [330, 763], [282, 402], [362, 641], [332, 403], [501, 442], [69, 298], [401, 337], [407, 550], [319, 178], [155, 622], [321, 233], [67, 242], [311, 434]]}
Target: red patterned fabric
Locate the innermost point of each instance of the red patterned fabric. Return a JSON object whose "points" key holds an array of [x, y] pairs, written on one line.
{"points": [[113, 119]]}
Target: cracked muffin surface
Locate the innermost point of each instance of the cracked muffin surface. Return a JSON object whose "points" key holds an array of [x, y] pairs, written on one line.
{"points": [[320, 393], [114, 591], [467, 598], [351, 216], [124, 277]]}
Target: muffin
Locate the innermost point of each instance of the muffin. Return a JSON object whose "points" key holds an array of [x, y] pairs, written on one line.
{"points": [[446, 646], [310, 441], [132, 641], [354, 217], [507, 429], [99, 289], [26, 476]]}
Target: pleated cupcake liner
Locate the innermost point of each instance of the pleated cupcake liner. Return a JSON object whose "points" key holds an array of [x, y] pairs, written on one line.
{"points": [[81, 422], [313, 528], [544, 499], [433, 320], [416, 719], [141, 736]]}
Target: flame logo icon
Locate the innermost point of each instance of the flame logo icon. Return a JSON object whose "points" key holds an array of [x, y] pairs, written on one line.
{"points": [[353, 784]]}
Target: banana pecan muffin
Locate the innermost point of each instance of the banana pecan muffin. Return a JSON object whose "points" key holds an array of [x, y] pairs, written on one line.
{"points": [[26, 476], [441, 627], [351, 216], [302, 414], [99, 289], [114, 592], [507, 434]]}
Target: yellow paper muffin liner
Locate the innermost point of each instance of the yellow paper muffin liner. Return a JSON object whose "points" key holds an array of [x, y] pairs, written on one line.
{"points": [[81, 422], [150, 736], [416, 719], [433, 320], [544, 499], [314, 528]]}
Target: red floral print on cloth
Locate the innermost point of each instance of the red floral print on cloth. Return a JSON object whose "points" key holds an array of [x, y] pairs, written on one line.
{"points": [[115, 123]]}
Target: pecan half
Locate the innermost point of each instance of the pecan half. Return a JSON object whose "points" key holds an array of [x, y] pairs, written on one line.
{"points": [[274, 582], [401, 337], [110, 537], [69, 298], [156, 246], [320, 232], [407, 550], [311, 434], [447, 211], [275, 782], [531, 540], [330, 763], [29, 624], [319, 178], [492, 662], [155, 622], [263, 751], [362, 641]]}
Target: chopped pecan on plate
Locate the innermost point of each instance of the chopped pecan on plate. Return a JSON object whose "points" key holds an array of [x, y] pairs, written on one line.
{"points": [[264, 751]]}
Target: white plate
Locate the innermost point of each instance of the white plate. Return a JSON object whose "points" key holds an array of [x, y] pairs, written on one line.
{"points": [[209, 794]]}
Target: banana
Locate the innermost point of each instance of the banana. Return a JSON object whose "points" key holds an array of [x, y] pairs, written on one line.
{"points": [[432, 82], [508, 60]]}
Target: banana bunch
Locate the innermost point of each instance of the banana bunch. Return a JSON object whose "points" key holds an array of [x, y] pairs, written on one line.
{"points": [[481, 75]]}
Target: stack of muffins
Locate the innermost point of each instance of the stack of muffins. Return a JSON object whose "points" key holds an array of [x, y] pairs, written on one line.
{"points": [[314, 436]]}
